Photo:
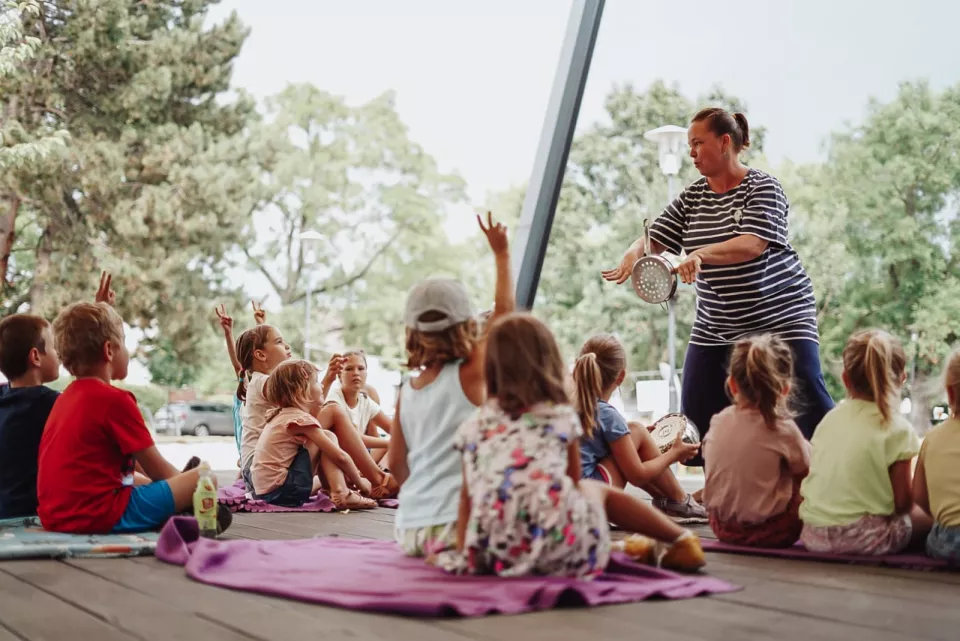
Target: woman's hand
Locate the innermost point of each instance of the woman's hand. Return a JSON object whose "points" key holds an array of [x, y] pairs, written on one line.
{"points": [[689, 268], [621, 273]]}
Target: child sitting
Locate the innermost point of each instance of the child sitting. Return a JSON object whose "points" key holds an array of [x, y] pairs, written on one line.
{"points": [[226, 324], [28, 359], [293, 446], [524, 509], [857, 498], [613, 451], [95, 436], [259, 351], [756, 455], [351, 394], [936, 484], [443, 343]]}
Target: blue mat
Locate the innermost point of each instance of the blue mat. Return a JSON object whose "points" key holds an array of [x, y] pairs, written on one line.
{"points": [[25, 538]]}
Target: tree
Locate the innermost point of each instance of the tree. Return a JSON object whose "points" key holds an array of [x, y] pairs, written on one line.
{"points": [[880, 232], [377, 198], [155, 185]]}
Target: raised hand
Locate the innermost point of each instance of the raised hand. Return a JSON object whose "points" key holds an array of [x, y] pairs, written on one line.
{"points": [[104, 293], [335, 366], [496, 234], [225, 321], [259, 314]]}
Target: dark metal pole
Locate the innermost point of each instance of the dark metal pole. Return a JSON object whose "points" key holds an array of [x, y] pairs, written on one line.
{"points": [[540, 204]]}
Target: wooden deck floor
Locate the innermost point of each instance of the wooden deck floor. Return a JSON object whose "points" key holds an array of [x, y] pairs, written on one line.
{"points": [[112, 599]]}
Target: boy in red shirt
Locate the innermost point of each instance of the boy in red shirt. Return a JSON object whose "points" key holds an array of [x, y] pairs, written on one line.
{"points": [[95, 437]]}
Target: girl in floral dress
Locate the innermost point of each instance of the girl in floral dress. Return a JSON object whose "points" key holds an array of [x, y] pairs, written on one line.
{"points": [[523, 507]]}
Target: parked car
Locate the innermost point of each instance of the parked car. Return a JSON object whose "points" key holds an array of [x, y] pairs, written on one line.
{"points": [[200, 418]]}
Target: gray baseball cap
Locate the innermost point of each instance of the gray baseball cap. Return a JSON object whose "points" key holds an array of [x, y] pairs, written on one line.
{"points": [[445, 296]]}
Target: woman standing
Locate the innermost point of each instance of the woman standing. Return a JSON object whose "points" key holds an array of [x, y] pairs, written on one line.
{"points": [[732, 223]]}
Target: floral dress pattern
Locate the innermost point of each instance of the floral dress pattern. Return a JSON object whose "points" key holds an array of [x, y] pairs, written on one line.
{"points": [[527, 516]]}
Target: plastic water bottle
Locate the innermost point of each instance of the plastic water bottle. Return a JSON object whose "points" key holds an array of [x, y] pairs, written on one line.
{"points": [[205, 502]]}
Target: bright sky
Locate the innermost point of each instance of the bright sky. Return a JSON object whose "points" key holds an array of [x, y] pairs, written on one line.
{"points": [[473, 78]]}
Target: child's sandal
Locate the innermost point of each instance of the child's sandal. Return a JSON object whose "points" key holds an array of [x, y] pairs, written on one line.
{"points": [[388, 489], [353, 501]]}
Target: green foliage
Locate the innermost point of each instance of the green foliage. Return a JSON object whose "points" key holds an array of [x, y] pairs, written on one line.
{"points": [[156, 182], [352, 174], [150, 396]]}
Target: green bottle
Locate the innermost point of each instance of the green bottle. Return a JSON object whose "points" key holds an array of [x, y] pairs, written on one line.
{"points": [[205, 502]]}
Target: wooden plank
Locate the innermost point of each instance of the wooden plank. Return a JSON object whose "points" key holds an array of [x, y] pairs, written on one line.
{"points": [[30, 613], [306, 525], [906, 585], [879, 612], [131, 611], [264, 617], [703, 618]]}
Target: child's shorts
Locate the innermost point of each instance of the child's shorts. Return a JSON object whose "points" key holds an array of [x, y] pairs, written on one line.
{"points": [[780, 531], [428, 541], [871, 535], [148, 509], [944, 543], [297, 487], [600, 473]]}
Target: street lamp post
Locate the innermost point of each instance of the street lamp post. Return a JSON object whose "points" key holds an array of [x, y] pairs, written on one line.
{"points": [[670, 140], [307, 239]]}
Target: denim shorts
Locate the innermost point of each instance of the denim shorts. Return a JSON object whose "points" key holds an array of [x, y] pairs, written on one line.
{"points": [[297, 487], [149, 508], [944, 543]]}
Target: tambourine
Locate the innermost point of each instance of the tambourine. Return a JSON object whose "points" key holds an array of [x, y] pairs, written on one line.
{"points": [[665, 431], [654, 278]]}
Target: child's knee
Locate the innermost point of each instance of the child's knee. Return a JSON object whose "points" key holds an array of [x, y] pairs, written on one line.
{"points": [[332, 415]]}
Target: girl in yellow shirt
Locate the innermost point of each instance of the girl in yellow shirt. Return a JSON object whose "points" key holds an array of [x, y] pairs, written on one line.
{"points": [[936, 485], [858, 498]]}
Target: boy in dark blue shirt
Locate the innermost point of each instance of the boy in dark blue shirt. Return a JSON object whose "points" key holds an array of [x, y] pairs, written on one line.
{"points": [[28, 359]]}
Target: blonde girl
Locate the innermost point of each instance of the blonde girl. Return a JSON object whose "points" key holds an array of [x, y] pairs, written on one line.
{"points": [[756, 455], [857, 498], [293, 447], [615, 452], [936, 484], [524, 509], [445, 351]]}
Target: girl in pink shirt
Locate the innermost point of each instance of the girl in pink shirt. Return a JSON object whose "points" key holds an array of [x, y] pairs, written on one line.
{"points": [[293, 447], [755, 454]]}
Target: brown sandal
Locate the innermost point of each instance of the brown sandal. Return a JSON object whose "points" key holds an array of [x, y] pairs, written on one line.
{"points": [[388, 489], [353, 501]]}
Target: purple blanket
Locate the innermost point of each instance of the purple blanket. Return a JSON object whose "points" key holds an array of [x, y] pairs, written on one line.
{"points": [[375, 576], [916, 561], [235, 497]]}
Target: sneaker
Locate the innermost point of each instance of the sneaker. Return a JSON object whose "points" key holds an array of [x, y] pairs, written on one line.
{"points": [[684, 555], [686, 509]]}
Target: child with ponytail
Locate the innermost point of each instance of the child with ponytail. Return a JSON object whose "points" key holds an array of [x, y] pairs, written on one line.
{"points": [[858, 497], [756, 455], [615, 452], [936, 484]]}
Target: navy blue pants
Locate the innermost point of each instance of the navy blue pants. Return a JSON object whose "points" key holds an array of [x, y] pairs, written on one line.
{"points": [[704, 389]]}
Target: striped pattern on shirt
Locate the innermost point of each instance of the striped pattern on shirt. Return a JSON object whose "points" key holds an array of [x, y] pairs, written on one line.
{"points": [[771, 293]]}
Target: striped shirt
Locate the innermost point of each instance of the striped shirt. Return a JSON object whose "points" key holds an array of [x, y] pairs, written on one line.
{"points": [[771, 293]]}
